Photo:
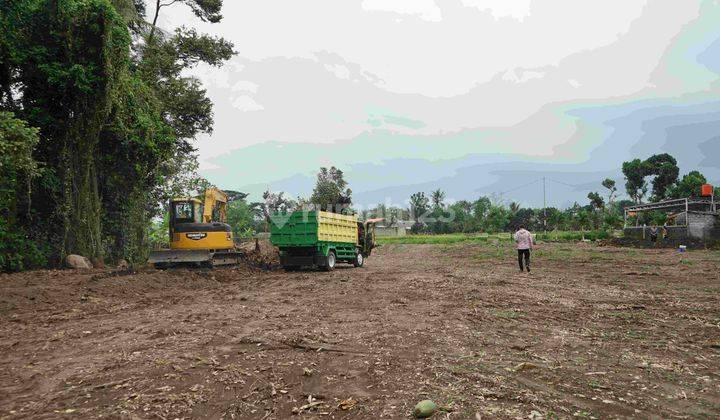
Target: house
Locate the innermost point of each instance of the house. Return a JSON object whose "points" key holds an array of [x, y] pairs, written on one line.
{"points": [[690, 220], [399, 228]]}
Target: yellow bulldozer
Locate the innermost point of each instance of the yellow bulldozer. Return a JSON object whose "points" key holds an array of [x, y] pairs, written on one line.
{"points": [[199, 233]]}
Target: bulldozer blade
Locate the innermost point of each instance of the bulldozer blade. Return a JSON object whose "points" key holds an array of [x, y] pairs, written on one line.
{"points": [[177, 256]]}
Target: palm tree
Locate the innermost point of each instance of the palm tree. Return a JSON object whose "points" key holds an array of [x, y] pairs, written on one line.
{"points": [[438, 196], [514, 207]]}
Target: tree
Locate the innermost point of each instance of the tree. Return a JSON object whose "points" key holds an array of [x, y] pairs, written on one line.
{"points": [[241, 217], [521, 218], [666, 171], [116, 115], [635, 172], [481, 206], [18, 168], [497, 219], [331, 192], [419, 206], [555, 219], [462, 217], [610, 185], [596, 201], [689, 185], [206, 10], [582, 219], [275, 203], [437, 197]]}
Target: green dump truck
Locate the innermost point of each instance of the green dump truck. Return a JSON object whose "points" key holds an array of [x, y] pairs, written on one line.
{"points": [[321, 239]]}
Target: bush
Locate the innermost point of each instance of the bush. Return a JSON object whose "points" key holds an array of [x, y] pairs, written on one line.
{"points": [[17, 252]]}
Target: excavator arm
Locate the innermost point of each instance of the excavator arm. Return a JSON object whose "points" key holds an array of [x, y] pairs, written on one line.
{"points": [[213, 197]]}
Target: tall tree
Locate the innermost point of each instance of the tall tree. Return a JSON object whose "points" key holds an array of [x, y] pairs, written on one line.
{"points": [[612, 189], [666, 171], [206, 10], [437, 197], [331, 192], [596, 201], [635, 172], [419, 207], [689, 185], [114, 123], [18, 169]]}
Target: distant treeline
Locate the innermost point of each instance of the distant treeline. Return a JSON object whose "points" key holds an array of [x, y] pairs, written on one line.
{"points": [[430, 213]]}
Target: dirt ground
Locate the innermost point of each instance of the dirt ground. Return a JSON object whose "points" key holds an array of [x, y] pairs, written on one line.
{"points": [[595, 332]]}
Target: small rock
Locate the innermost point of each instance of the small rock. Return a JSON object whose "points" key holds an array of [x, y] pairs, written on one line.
{"points": [[347, 404], [525, 366], [536, 415], [77, 262], [424, 409]]}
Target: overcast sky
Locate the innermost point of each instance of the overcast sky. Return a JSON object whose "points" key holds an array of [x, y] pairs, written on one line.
{"points": [[404, 94]]}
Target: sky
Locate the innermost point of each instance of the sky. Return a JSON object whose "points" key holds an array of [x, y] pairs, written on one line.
{"points": [[475, 97]]}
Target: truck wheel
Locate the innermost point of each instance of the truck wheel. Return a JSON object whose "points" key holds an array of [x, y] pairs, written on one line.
{"points": [[330, 261], [359, 260]]}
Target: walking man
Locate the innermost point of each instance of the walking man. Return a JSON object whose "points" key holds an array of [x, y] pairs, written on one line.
{"points": [[524, 241]]}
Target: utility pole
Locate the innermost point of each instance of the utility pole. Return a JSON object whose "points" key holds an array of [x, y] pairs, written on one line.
{"points": [[544, 208]]}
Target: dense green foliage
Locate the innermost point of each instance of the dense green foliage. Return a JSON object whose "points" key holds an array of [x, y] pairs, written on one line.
{"points": [[482, 215], [688, 186], [662, 167], [18, 169], [113, 117], [331, 192]]}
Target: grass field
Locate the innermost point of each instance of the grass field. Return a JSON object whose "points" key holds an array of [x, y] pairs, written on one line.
{"points": [[452, 238]]}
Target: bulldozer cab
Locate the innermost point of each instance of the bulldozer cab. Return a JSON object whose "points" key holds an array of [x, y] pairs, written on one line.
{"points": [[185, 210]]}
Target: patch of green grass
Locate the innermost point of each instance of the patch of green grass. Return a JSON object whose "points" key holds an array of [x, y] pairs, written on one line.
{"points": [[670, 376], [595, 384], [551, 415], [607, 335], [636, 335], [503, 237]]}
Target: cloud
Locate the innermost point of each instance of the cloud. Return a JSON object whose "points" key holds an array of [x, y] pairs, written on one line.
{"points": [[516, 9], [362, 84], [424, 9], [245, 103]]}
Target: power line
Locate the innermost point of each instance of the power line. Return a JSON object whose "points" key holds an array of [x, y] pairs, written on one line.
{"points": [[569, 185], [521, 186]]}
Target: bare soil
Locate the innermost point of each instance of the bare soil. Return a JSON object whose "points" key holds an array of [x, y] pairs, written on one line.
{"points": [[596, 332]]}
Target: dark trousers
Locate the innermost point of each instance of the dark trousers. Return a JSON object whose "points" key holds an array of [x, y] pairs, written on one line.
{"points": [[524, 254]]}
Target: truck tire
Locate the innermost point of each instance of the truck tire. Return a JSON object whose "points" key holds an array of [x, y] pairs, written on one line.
{"points": [[330, 261], [359, 260]]}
